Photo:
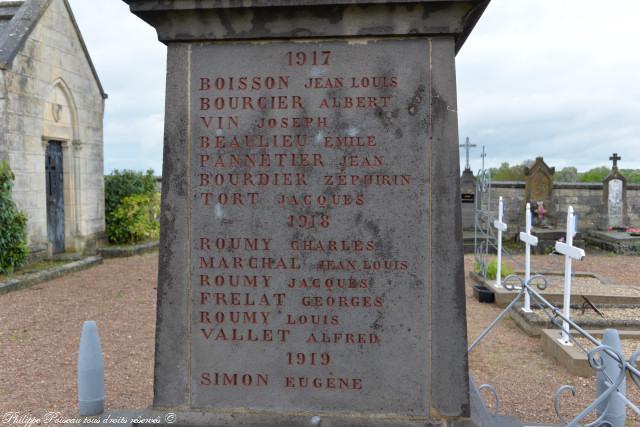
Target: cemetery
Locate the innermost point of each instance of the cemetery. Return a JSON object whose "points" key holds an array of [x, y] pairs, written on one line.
{"points": [[341, 273]]}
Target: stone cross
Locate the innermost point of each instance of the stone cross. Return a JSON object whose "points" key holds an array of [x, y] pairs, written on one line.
{"points": [[570, 253], [529, 240], [467, 146], [615, 159], [501, 227]]}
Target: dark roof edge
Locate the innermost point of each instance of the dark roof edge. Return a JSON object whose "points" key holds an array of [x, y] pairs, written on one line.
{"points": [[148, 6], [19, 28], [470, 21], [84, 48], [23, 23]]}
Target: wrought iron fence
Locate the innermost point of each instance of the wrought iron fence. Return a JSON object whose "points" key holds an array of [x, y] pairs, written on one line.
{"points": [[484, 238], [610, 383]]}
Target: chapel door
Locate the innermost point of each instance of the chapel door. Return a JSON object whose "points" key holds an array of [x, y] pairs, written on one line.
{"points": [[55, 196]]}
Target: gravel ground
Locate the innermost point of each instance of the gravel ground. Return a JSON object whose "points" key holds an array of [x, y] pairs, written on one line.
{"points": [[613, 269], [40, 329], [581, 285], [609, 312], [629, 345], [40, 335]]}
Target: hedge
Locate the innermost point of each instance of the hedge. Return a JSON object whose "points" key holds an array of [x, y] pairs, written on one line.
{"points": [[13, 225]]}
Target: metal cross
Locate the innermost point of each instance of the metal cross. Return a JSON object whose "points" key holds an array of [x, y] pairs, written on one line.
{"points": [[483, 155], [570, 253], [529, 240], [615, 159], [501, 227], [467, 146]]}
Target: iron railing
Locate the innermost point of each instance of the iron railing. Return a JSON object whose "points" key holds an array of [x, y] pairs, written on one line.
{"points": [[594, 356]]}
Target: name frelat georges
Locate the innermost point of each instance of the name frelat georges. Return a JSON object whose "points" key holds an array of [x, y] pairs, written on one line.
{"points": [[280, 158]]}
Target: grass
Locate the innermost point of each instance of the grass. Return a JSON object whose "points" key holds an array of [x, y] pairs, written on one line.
{"points": [[128, 245], [33, 267]]}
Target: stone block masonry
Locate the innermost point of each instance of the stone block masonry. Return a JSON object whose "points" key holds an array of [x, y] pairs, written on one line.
{"points": [[586, 199], [49, 91]]}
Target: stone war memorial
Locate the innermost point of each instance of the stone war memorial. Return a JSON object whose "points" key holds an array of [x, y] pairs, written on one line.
{"points": [[311, 266]]}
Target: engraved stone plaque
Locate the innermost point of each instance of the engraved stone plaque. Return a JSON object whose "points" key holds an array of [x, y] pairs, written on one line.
{"points": [[615, 203], [309, 225]]}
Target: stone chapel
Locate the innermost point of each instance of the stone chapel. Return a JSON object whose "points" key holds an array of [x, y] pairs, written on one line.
{"points": [[51, 114]]}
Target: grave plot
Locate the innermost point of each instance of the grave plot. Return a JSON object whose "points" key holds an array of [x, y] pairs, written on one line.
{"points": [[620, 242], [584, 284], [586, 315], [574, 357]]}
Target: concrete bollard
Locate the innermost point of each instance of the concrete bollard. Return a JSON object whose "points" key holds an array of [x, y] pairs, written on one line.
{"points": [[616, 413], [90, 371]]}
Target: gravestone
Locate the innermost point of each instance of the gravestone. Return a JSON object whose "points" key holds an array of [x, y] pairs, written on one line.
{"points": [[468, 199], [468, 190], [539, 192], [311, 268], [614, 198]]}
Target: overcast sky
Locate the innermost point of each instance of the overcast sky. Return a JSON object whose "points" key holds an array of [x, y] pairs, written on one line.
{"points": [[558, 79]]}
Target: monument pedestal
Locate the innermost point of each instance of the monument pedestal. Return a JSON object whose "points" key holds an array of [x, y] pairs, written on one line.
{"points": [[311, 244]]}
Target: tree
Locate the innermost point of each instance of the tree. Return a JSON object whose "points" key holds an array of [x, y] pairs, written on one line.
{"points": [[568, 174], [594, 175], [632, 175], [508, 173], [132, 206]]}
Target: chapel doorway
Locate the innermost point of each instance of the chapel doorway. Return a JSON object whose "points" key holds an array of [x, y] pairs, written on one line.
{"points": [[55, 196]]}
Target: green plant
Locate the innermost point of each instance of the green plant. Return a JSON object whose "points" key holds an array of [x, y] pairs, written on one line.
{"points": [[507, 172], [492, 269], [132, 206], [13, 225], [477, 267], [594, 175], [135, 219], [119, 185]]}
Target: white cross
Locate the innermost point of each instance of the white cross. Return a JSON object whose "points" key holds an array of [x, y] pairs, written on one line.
{"points": [[570, 253], [529, 240], [501, 227]]}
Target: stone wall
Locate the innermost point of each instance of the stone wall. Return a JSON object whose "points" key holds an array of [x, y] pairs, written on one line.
{"points": [[586, 199], [52, 68]]}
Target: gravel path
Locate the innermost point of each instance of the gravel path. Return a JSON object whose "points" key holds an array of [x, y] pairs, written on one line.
{"points": [[40, 329], [40, 335]]}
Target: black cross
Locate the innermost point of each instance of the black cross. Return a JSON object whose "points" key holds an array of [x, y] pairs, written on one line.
{"points": [[615, 159]]}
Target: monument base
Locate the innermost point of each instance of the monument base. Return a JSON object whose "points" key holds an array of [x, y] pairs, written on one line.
{"points": [[619, 242], [258, 419], [171, 418]]}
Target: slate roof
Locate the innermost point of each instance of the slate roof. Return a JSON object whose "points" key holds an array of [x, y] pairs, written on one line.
{"points": [[18, 18]]}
